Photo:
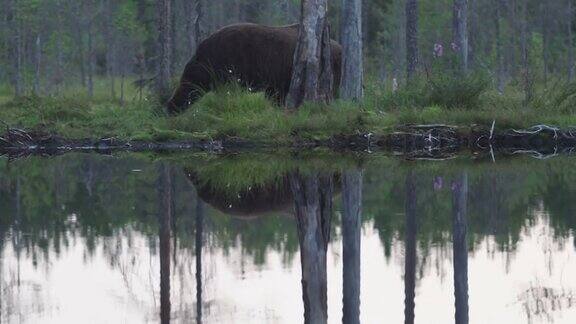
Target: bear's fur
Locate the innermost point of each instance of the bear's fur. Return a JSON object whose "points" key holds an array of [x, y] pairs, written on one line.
{"points": [[260, 57]]}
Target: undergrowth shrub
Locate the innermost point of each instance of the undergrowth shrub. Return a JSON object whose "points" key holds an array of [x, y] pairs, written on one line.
{"points": [[456, 92]]}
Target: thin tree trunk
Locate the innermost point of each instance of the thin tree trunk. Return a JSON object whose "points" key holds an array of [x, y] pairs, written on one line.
{"points": [[173, 44], [410, 246], [570, 16], [19, 84], [545, 41], [500, 79], [351, 245], [90, 62], [473, 33], [460, 247], [164, 41], [351, 40], [460, 32], [37, 65], [109, 39], [411, 38], [198, 250], [312, 78], [123, 78], [166, 213], [190, 26], [526, 73], [59, 51], [198, 22], [313, 207]]}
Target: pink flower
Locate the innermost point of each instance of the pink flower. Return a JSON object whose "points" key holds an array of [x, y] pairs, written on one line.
{"points": [[455, 47], [438, 50]]}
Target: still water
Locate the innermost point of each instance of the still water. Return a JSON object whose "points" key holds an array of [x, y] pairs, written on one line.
{"points": [[256, 238]]}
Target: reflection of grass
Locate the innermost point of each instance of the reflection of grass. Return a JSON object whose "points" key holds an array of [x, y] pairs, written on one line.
{"points": [[231, 174], [232, 112]]}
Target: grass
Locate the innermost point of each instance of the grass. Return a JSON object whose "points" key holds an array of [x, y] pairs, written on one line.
{"points": [[232, 112]]}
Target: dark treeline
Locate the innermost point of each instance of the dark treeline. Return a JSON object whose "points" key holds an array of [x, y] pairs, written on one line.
{"points": [[50, 44]]}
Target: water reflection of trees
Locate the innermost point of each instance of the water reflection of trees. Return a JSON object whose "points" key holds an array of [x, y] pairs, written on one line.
{"points": [[104, 202]]}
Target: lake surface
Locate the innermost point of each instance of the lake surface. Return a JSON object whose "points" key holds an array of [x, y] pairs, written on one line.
{"points": [[258, 238]]}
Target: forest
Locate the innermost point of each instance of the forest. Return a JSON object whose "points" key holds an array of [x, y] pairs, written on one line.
{"points": [[91, 68]]}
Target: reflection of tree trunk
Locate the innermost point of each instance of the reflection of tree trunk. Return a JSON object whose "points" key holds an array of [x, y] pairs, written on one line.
{"points": [[351, 229], [166, 193], [410, 254], [313, 207], [459, 229], [199, 243]]}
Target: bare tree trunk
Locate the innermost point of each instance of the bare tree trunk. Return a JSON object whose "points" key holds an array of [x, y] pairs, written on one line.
{"points": [[37, 65], [59, 51], [78, 36], [351, 39], [460, 32], [313, 207], [410, 246], [500, 79], [122, 79], [166, 213], [526, 72], [198, 22], [411, 38], [545, 40], [473, 33], [173, 44], [191, 13], [18, 80], [570, 18], [312, 70], [108, 38], [90, 62], [164, 41], [351, 243], [460, 248]]}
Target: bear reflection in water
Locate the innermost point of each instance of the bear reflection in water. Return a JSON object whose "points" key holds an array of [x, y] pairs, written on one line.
{"points": [[251, 202]]}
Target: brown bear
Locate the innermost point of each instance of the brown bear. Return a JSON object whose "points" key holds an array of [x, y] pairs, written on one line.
{"points": [[258, 57]]}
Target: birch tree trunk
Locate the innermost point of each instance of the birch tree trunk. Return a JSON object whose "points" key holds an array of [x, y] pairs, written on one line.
{"points": [[460, 32], [312, 68], [351, 41], [411, 38], [351, 245], [460, 247], [164, 36]]}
